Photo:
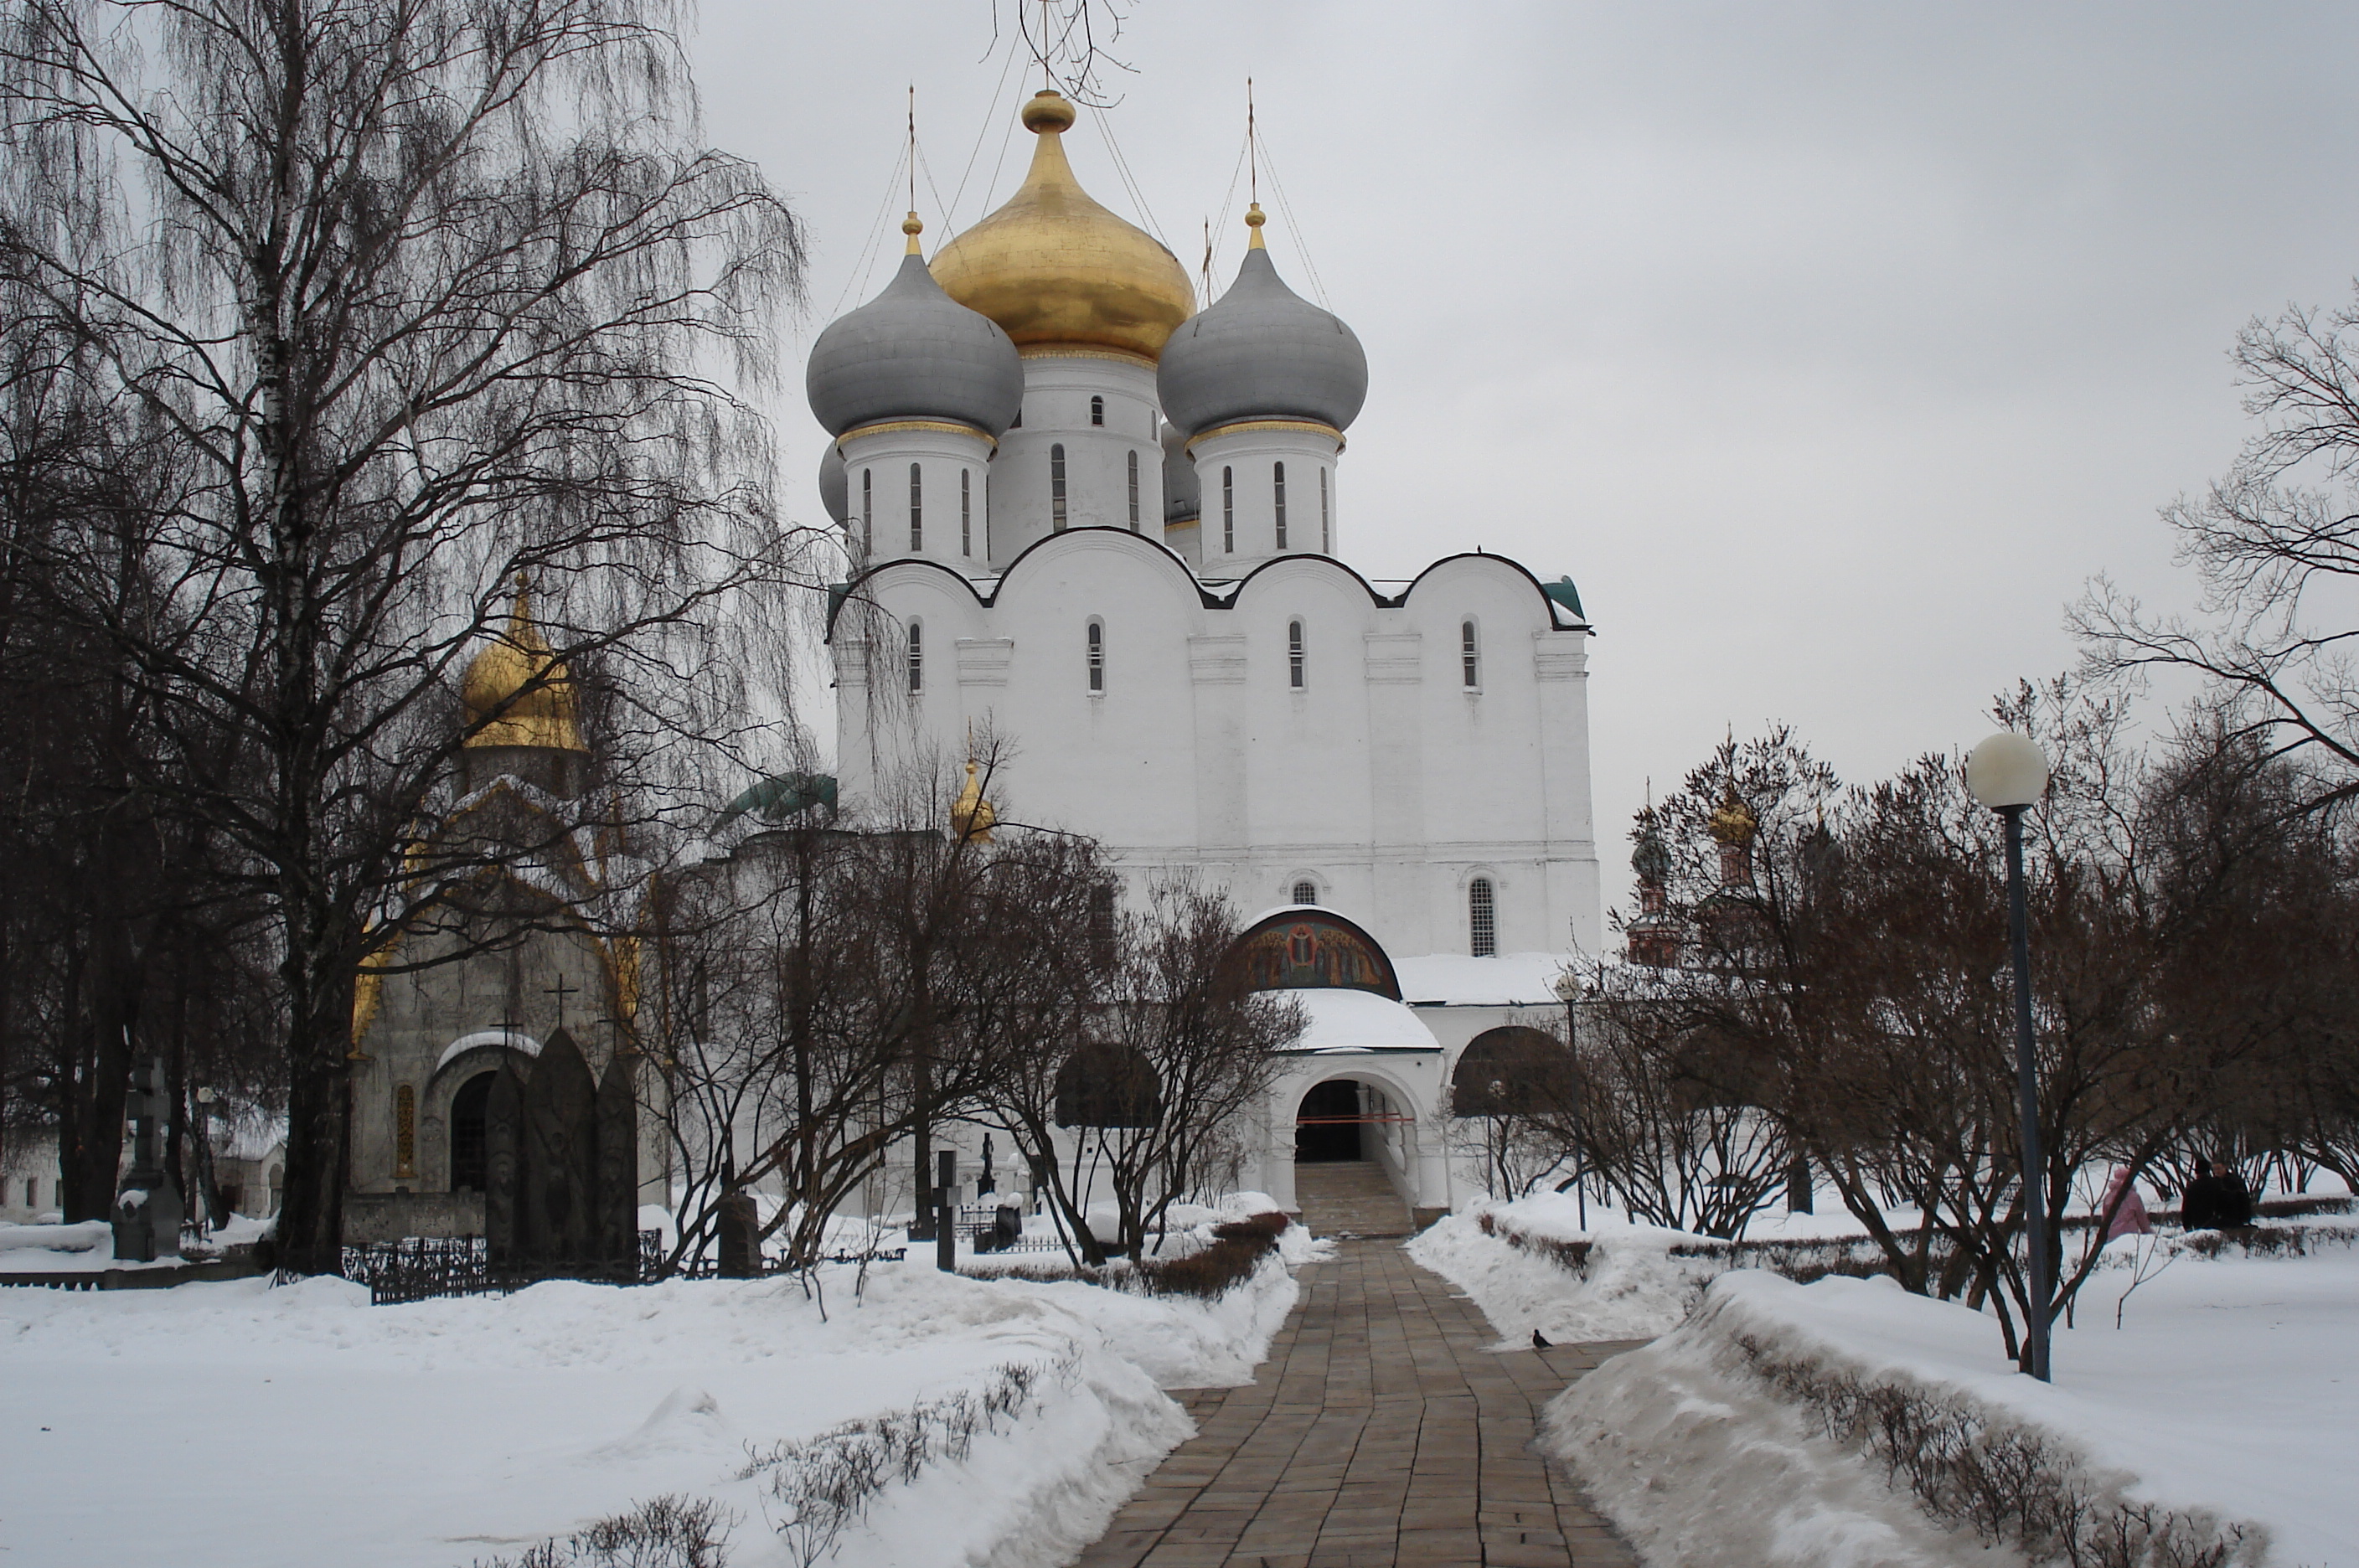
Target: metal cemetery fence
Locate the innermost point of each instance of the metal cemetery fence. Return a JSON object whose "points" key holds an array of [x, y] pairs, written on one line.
{"points": [[420, 1268]]}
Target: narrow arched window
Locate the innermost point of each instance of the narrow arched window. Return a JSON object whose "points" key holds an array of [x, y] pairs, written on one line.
{"points": [[1056, 487], [1097, 411], [1229, 510], [966, 511], [917, 656], [1326, 518], [1469, 656], [1306, 892], [1134, 491], [916, 508], [1482, 919], [1294, 655], [1096, 642], [867, 509], [1277, 496]]}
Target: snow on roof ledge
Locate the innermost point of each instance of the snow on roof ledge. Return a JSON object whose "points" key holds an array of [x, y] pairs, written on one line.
{"points": [[1458, 979], [515, 1039], [1357, 1020]]}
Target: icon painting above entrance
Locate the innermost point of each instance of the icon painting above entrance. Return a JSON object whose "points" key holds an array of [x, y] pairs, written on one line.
{"points": [[1301, 950]]}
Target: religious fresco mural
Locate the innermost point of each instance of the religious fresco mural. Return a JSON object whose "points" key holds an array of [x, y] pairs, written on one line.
{"points": [[1297, 950]]}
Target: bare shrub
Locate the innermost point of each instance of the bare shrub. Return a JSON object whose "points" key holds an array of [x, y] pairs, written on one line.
{"points": [[670, 1531], [2010, 1483], [824, 1484]]}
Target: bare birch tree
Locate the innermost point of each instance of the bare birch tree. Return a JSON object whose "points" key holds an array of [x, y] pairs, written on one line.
{"points": [[431, 296]]}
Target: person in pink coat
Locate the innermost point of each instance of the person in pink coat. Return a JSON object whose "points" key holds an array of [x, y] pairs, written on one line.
{"points": [[2130, 1218]]}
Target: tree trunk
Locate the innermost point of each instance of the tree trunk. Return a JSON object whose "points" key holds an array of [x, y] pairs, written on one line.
{"points": [[111, 1014]]}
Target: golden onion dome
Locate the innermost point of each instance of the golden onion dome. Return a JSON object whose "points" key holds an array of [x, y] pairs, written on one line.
{"points": [[544, 716], [1057, 270], [1735, 822]]}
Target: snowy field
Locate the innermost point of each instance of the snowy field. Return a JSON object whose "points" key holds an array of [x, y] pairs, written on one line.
{"points": [[2231, 1388], [220, 1424]]}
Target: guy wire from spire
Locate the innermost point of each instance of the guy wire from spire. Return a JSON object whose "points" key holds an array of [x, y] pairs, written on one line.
{"points": [[1122, 168], [866, 259], [1294, 228], [994, 115]]}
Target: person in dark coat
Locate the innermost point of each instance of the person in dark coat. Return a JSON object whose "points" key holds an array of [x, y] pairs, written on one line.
{"points": [[2215, 1200]]}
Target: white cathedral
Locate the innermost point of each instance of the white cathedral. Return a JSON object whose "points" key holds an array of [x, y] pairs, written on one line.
{"points": [[1108, 529]]}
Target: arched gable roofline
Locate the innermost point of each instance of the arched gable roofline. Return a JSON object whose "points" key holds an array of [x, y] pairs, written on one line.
{"points": [[1304, 557], [1385, 983], [838, 597], [1506, 560]]}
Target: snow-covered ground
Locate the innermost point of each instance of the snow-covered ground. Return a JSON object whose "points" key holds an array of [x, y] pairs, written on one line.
{"points": [[2231, 1388], [219, 1424]]}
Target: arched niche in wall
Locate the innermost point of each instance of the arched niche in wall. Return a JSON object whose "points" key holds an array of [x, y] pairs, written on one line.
{"points": [[1513, 1071], [1103, 1084]]}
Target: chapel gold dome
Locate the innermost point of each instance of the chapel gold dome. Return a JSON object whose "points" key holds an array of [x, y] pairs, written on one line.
{"points": [[1057, 270], [495, 681]]}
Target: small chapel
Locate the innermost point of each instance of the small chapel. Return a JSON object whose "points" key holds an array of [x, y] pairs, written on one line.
{"points": [[1086, 517], [513, 985]]}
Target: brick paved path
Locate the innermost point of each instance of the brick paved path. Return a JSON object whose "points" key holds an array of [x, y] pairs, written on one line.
{"points": [[1382, 1430]]}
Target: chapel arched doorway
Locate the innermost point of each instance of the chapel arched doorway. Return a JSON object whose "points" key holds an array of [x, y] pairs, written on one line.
{"points": [[1328, 1126], [470, 1152]]}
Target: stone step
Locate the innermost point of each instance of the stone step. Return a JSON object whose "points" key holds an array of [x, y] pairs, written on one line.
{"points": [[1350, 1197]]}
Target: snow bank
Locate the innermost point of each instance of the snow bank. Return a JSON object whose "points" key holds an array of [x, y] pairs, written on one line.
{"points": [[76, 1240], [1532, 1269], [1740, 1437], [454, 1430]]}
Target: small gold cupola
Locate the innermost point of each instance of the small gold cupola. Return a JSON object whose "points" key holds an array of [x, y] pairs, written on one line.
{"points": [[494, 695], [1057, 270], [972, 817]]}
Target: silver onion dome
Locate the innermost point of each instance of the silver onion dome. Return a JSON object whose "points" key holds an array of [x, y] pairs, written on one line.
{"points": [[1183, 494], [835, 485], [914, 352], [1261, 352]]}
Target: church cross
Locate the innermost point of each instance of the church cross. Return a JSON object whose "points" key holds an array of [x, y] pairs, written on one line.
{"points": [[560, 991]]}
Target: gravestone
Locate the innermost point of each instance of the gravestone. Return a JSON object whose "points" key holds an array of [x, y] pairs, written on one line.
{"points": [[558, 1219], [148, 1206], [561, 1167], [503, 1159], [617, 1191]]}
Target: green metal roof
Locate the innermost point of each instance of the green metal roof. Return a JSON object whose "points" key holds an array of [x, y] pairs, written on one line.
{"points": [[1565, 593]]}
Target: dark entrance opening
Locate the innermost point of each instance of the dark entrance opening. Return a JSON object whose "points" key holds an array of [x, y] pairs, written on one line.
{"points": [[470, 1168], [1328, 1126]]}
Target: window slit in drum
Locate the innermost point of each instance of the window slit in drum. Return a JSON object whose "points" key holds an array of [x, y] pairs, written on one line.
{"points": [[1294, 655], [1097, 656], [1277, 498], [1057, 488], [916, 508], [917, 656]]}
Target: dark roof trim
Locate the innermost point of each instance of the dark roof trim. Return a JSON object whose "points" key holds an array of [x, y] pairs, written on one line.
{"points": [[1551, 594]]}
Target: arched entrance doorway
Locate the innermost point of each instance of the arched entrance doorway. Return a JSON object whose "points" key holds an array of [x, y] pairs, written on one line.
{"points": [[1352, 1151], [1328, 1128], [469, 1155]]}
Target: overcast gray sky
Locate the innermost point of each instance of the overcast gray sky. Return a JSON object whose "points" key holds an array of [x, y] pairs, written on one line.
{"points": [[1830, 348]]}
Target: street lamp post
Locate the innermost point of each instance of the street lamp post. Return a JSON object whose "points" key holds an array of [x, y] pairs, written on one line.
{"points": [[2008, 774], [1567, 990]]}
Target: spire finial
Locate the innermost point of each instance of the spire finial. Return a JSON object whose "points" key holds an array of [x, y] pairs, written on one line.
{"points": [[1255, 219], [912, 227], [1253, 154]]}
